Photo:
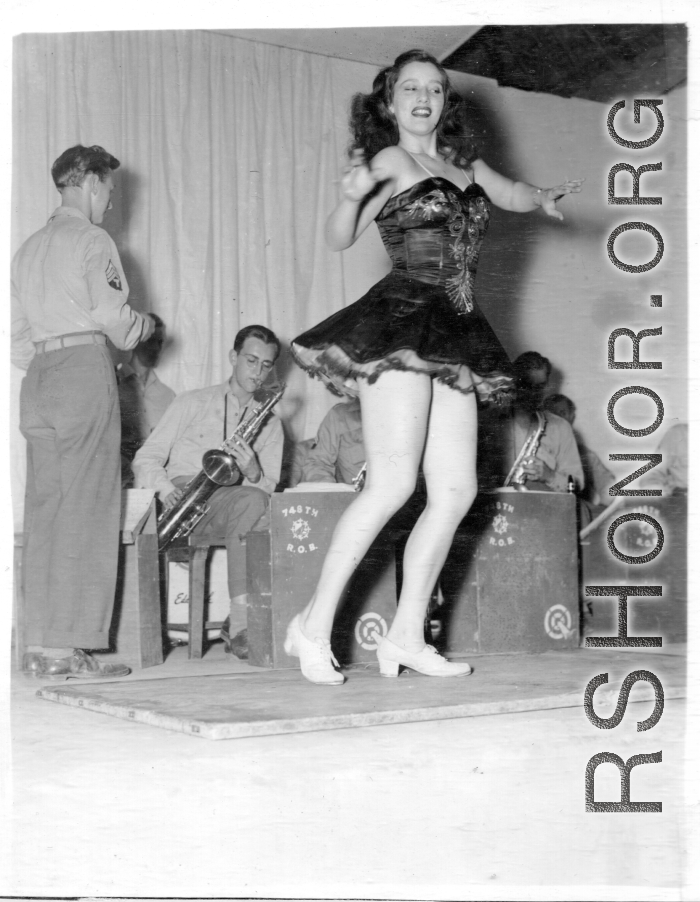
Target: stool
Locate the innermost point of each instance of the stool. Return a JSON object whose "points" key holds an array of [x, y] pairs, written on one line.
{"points": [[194, 550]]}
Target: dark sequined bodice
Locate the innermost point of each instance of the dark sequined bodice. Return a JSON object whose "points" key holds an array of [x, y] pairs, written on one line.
{"points": [[433, 232]]}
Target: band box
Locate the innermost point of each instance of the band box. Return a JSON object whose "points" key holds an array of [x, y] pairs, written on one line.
{"points": [[665, 615], [510, 582], [284, 565]]}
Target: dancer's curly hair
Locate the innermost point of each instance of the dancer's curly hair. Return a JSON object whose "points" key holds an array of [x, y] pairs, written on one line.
{"points": [[373, 127]]}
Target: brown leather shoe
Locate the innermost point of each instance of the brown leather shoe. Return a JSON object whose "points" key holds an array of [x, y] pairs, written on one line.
{"points": [[78, 666], [237, 646]]}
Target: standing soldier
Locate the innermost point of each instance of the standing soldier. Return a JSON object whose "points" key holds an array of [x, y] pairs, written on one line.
{"points": [[68, 293]]}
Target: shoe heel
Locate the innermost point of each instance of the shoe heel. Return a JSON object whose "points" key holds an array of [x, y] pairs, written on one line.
{"points": [[388, 668], [289, 647]]}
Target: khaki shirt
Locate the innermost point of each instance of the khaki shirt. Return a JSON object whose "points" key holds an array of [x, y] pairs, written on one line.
{"points": [[194, 424], [66, 278]]}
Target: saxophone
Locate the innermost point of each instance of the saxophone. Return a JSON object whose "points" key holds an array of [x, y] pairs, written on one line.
{"points": [[516, 477], [218, 469]]}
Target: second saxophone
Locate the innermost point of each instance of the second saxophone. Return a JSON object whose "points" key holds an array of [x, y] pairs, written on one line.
{"points": [[516, 477]]}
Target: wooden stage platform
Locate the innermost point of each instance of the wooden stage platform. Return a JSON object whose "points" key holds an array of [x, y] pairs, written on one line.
{"points": [[257, 703]]}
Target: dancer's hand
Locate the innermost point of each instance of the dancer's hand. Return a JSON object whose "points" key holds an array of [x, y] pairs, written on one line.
{"points": [[365, 190], [358, 179], [547, 197]]}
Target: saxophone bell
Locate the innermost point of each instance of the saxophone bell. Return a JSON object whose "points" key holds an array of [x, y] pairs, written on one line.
{"points": [[220, 467]]}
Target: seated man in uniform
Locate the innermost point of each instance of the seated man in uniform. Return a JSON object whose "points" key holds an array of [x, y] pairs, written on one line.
{"points": [[339, 452], [503, 434], [598, 478], [338, 455], [143, 398], [198, 421]]}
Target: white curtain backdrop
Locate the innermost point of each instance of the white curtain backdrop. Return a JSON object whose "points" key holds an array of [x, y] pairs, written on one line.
{"points": [[229, 151]]}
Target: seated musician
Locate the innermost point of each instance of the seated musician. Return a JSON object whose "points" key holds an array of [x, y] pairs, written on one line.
{"points": [[504, 436], [338, 454], [598, 478], [198, 421]]}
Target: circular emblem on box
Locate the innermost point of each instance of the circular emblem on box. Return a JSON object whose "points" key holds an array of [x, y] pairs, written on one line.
{"points": [[557, 622], [300, 529], [369, 629]]}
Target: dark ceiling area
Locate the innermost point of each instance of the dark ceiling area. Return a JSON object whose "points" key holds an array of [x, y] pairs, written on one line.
{"points": [[593, 62]]}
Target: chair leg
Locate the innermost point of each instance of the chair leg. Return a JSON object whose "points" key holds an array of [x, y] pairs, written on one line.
{"points": [[198, 567], [172, 555], [164, 562]]}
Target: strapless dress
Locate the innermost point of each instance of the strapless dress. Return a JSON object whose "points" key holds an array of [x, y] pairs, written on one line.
{"points": [[422, 316]]}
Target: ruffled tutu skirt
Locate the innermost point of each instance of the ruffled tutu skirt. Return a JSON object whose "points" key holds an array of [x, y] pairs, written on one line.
{"points": [[406, 324]]}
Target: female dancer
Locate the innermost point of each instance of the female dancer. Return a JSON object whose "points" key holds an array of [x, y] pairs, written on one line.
{"points": [[416, 347]]}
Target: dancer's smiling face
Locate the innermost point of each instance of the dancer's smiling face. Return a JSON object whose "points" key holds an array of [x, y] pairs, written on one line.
{"points": [[419, 97]]}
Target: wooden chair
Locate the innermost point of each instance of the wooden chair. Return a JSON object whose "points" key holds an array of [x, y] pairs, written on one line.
{"points": [[194, 550]]}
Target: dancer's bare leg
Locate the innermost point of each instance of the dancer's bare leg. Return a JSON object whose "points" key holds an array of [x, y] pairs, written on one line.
{"points": [[395, 412], [449, 466]]}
